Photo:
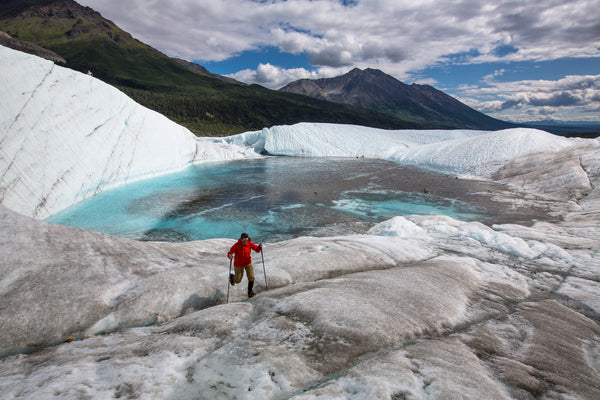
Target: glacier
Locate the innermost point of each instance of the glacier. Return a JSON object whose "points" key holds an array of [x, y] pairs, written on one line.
{"points": [[66, 136], [419, 307]]}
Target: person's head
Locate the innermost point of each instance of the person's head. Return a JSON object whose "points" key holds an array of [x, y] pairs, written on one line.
{"points": [[244, 238]]}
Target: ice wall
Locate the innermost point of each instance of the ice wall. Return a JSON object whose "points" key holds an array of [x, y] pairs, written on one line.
{"points": [[462, 152], [523, 158], [65, 136]]}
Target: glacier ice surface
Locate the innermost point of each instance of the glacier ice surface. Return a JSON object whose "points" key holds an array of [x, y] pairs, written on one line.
{"points": [[420, 307]]}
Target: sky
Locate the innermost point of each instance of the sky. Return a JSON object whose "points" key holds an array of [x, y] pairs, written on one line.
{"points": [[525, 60]]}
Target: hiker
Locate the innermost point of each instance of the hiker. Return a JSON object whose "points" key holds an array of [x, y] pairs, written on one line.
{"points": [[243, 261]]}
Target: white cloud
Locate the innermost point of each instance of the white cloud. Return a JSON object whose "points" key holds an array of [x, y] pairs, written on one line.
{"points": [[427, 81], [272, 76], [577, 94], [490, 78], [333, 34], [400, 37]]}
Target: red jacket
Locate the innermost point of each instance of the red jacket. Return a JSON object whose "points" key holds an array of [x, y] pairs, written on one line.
{"points": [[242, 253]]}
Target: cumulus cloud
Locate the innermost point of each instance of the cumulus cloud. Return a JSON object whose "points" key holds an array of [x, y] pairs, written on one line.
{"points": [[272, 76], [335, 33], [539, 98], [400, 37]]}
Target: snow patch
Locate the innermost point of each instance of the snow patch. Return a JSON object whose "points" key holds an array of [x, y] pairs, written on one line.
{"points": [[397, 226]]}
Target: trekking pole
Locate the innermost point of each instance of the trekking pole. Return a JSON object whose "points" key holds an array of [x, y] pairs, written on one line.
{"points": [[228, 284], [264, 270]]}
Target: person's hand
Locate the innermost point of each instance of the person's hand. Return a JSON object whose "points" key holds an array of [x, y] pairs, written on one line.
{"points": [[230, 256]]}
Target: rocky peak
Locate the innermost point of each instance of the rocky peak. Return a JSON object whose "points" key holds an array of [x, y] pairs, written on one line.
{"points": [[30, 48], [373, 88], [43, 8]]}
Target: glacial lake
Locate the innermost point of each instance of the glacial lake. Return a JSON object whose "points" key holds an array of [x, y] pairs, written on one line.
{"points": [[279, 198]]}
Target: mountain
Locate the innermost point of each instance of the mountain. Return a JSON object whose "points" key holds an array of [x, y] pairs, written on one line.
{"points": [[205, 105], [567, 128], [372, 88], [203, 71], [30, 48]]}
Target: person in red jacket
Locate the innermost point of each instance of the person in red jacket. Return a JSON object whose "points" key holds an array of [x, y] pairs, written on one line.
{"points": [[243, 261]]}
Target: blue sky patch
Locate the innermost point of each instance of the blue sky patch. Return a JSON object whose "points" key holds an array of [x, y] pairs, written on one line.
{"points": [[251, 60]]}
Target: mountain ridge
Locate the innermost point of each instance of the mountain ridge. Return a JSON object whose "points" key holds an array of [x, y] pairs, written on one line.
{"points": [[374, 89], [197, 68], [30, 48]]}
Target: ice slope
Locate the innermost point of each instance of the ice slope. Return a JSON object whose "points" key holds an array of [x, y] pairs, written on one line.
{"points": [[461, 152], [65, 136], [422, 307]]}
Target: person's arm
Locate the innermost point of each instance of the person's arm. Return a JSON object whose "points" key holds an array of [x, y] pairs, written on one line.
{"points": [[256, 248], [231, 251]]}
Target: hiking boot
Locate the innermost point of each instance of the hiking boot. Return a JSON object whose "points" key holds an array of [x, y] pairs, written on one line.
{"points": [[231, 279], [250, 291]]}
